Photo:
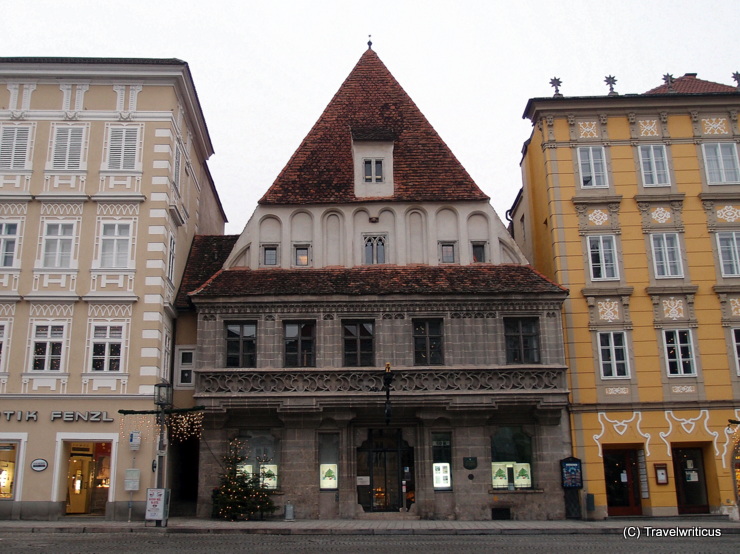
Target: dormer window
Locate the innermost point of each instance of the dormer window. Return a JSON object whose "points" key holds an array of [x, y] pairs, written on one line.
{"points": [[374, 170]]}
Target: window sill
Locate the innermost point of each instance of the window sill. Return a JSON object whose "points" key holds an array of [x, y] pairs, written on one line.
{"points": [[515, 491]]}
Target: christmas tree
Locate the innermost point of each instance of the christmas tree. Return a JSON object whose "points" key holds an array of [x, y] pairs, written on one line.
{"points": [[240, 496]]}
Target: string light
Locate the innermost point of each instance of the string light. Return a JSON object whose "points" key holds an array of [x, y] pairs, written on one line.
{"points": [[184, 426]]}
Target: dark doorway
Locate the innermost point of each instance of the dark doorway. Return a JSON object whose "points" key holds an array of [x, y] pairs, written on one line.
{"points": [[691, 485], [621, 475], [385, 472]]}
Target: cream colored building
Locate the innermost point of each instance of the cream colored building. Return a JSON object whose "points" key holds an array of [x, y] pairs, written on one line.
{"points": [[103, 184]]}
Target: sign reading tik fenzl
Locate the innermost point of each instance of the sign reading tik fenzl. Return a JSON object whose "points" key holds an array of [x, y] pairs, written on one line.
{"points": [[70, 416]]}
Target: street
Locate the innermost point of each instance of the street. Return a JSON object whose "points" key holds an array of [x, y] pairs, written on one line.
{"points": [[470, 544]]}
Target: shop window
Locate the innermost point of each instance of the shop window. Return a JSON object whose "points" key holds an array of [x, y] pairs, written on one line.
{"points": [[442, 460], [511, 459], [241, 344], [8, 454], [262, 453], [328, 461]]}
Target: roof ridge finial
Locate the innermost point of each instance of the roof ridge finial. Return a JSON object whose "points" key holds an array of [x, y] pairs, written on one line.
{"points": [[556, 83], [736, 78], [669, 80], [369, 42]]}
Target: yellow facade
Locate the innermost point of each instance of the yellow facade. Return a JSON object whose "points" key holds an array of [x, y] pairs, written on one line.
{"points": [[623, 204], [103, 184]]}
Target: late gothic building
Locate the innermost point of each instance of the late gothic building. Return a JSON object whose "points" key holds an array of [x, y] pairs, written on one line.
{"points": [[374, 336]]}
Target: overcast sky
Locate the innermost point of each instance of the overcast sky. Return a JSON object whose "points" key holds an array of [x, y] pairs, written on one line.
{"points": [[265, 70]]}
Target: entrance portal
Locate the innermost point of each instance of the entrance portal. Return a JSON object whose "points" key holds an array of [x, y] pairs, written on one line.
{"points": [[88, 477], [385, 472], [691, 486], [621, 475]]}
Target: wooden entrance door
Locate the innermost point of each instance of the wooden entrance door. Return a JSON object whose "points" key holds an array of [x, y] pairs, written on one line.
{"points": [[622, 477]]}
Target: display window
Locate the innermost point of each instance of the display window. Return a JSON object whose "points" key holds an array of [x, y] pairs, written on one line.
{"points": [[8, 454]]}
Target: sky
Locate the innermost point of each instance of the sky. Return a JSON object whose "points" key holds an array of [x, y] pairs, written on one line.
{"points": [[265, 70]]}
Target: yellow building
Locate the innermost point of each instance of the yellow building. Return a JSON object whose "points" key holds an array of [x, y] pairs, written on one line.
{"points": [[632, 202], [103, 184]]}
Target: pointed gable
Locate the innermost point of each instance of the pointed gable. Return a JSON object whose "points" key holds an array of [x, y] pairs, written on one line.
{"points": [[689, 84], [371, 106]]}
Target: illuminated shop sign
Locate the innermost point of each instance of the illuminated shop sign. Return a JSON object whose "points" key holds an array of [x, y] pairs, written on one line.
{"points": [[68, 416]]}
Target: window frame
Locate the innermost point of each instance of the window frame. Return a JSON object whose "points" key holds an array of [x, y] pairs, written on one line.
{"points": [[589, 163], [305, 345], [733, 251], [4, 332], [721, 161], [182, 367], [116, 240], [646, 153], [48, 355], [5, 239], [448, 252], [48, 239], [373, 164], [371, 244], [359, 353], [108, 341], [672, 268], [679, 359], [296, 260], [123, 148], [433, 343], [270, 248], [613, 362], [481, 245], [519, 355], [603, 251], [241, 340]]}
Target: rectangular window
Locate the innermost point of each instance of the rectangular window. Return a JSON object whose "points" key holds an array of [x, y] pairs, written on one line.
{"points": [[447, 252], [185, 367], [442, 460], [269, 255], [171, 260], [721, 163], [48, 346], [358, 343], [328, 461], [123, 145], [654, 166], [8, 242], [479, 252], [729, 253], [300, 344], [373, 170], [241, 344], [428, 342], [8, 453], [679, 352], [301, 258], [613, 355], [511, 459], [522, 337], [107, 347], [593, 166], [603, 257], [736, 345], [2, 346], [374, 248], [58, 239], [666, 255], [14, 142], [114, 245], [67, 149]]}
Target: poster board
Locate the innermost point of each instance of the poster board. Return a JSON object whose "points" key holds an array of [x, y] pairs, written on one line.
{"points": [[157, 504]]}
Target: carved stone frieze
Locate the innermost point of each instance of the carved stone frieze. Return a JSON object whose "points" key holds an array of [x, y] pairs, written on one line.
{"points": [[230, 382]]}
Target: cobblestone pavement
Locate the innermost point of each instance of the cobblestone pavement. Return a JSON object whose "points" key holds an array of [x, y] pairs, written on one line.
{"points": [[53, 543]]}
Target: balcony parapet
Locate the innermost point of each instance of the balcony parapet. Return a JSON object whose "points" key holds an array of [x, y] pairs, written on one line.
{"points": [[331, 382]]}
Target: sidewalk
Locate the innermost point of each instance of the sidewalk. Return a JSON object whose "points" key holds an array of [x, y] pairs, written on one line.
{"points": [[371, 527]]}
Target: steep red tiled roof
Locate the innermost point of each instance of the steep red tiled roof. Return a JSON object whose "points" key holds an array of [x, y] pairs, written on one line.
{"points": [[689, 84], [371, 105], [379, 280], [207, 254]]}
